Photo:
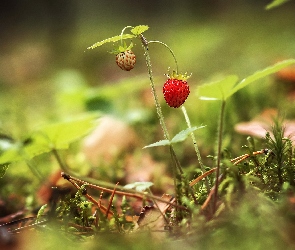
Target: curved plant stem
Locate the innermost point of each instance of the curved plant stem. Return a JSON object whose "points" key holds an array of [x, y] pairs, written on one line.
{"points": [[218, 160], [171, 51], [122, 32]]}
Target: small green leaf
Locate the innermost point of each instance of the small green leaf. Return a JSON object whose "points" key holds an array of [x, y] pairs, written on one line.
{"points": [[139, 186], [139, 29], [111, 39], [275, 3], [217, 90], [182, 135], [41, 213], [158, 143]]}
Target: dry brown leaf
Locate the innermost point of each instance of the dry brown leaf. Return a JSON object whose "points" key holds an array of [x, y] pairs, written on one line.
{"points": [[262, 124], [152, 217]]}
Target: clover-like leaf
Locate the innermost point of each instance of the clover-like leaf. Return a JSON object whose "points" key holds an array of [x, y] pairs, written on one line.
{"points": [[111, 39], [139, 186], [139, 29]]}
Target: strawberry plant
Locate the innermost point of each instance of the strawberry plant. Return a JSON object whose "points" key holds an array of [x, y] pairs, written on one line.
{"points": [[213, 198]]}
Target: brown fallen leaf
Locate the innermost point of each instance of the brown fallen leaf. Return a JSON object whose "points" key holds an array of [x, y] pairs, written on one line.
{"points": [[153, 217], [260, 125]]}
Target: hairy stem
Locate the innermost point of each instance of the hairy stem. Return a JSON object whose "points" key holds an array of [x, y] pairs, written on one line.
{"points": [[176, 168], [195, 146], [156, 99]]}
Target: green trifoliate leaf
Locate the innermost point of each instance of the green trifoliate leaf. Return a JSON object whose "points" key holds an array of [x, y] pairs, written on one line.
{"points": [[139, 29], [112, 39]]}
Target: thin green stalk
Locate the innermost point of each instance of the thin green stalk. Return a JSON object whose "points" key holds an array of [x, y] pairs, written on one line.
{"points": [[123, 33], [218, 160], [195, 146], [156, 99]]}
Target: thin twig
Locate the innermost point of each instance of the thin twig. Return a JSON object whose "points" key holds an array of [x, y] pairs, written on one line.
{"points": [[195, 181], [138, 195], [111, 201], [206, 203]]}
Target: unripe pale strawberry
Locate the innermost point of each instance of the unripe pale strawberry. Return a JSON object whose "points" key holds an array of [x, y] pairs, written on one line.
{"points": [[126, 60]]}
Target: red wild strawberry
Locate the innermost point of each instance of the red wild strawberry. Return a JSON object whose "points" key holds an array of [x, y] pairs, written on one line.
{"points": [[126, 60], [176, 90]]}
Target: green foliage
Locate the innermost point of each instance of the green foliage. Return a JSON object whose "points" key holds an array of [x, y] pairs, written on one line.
{"points": [[225, 88], [181, 136], [112, 39], [47, 138], [135, 32], [139, 29], [41, 212]]}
